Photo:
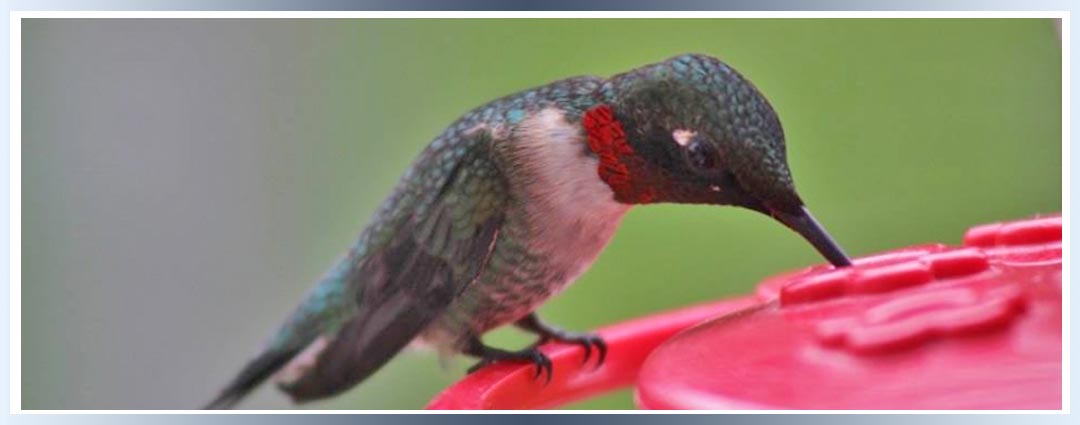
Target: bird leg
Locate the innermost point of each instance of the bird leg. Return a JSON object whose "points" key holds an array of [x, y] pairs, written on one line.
{"points": [[489, 355], [532, 323]]}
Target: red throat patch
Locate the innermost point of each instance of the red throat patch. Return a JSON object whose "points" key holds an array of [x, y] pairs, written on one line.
{"points": [[608, 141]]}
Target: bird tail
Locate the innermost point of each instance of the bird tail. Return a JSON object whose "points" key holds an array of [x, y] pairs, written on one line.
{"points": [[256, 371], [301, 329]]}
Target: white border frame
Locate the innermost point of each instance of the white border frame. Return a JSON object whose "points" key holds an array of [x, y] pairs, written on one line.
{"points": [[15, 164]]}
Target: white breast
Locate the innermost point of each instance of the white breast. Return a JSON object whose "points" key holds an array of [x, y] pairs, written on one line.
{"points": [[571, 212]]}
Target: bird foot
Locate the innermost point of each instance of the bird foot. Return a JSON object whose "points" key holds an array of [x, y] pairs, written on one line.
{"points": [[586, 340], [547, 333], [489, 355]]}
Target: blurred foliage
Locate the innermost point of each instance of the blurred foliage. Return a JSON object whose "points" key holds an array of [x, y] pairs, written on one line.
{"points": [[899, 132]]}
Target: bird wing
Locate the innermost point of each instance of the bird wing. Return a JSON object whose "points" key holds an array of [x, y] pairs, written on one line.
{"points": [[424, 259]]}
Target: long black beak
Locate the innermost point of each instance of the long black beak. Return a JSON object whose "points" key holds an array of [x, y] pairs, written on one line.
{"points": [[805, 224]]}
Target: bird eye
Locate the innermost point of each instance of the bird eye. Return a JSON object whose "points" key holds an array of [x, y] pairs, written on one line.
{"points": [[701, 155]]}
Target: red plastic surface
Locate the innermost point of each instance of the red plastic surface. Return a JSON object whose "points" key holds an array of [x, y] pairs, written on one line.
{"points": [[931, 327], [513, 386], [925, 327]]}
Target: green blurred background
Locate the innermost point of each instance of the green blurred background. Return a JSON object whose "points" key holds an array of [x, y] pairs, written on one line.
{"points": [[184, 181]]}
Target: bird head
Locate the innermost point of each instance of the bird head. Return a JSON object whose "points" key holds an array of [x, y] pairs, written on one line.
{"points": [[692, 130]]}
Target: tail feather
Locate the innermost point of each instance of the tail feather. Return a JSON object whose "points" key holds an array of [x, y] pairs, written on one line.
{"points": [[250, 377], [325, 300]]}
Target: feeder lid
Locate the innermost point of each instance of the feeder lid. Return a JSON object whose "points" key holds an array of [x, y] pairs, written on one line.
{"points": [[927, 327]]}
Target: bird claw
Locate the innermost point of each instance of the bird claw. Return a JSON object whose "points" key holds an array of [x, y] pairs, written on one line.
{"points": [[533, 355], [543, 365], [587, 341]]}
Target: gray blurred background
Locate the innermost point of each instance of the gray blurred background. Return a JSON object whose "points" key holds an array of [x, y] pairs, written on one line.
{"points": [[184, 181]]}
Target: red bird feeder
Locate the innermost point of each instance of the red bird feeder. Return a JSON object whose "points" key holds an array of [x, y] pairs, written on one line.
{"points": [[927, 327]]}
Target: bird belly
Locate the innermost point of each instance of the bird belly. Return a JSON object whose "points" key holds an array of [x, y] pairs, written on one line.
{"points": [[562, 217], [520, 276], [537, 254]]}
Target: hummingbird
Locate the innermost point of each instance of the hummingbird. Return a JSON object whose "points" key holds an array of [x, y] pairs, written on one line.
{"points": [[514, 201]]}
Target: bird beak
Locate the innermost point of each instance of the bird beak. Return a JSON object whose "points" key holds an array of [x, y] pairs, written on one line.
{"points": [[805, 224]]}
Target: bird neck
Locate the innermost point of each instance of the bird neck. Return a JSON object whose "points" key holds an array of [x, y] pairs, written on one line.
{"points": [[619, 165]]}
